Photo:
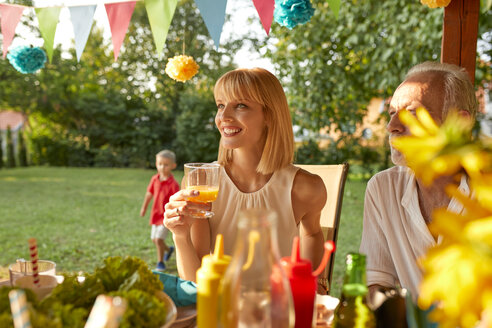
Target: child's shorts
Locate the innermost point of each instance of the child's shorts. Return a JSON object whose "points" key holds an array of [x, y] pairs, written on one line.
{"points": [[158, 231]]}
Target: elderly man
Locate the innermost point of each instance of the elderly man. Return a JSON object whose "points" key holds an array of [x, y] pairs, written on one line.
{"points": [[398, 206]]}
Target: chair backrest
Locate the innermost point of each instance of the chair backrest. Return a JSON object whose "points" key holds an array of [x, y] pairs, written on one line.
{"points": [[334, 177]]}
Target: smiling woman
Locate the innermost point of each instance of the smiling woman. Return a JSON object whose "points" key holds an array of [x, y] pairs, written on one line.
{"points": [[256, 153]]}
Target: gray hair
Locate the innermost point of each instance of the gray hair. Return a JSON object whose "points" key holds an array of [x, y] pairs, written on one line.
{"points": [[459, 93], [167, 154]]}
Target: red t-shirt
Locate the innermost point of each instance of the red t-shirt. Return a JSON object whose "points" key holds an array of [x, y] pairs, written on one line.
{"points": [[161, 190]]}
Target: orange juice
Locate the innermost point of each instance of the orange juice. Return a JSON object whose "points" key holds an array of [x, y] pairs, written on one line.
{"points": [[207, 194]]}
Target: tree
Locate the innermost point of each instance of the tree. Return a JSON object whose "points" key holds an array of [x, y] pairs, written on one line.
{"points": [[1, 151], [100, 112], [10, 149], [21, 149], [197, 138], [332, 68]]}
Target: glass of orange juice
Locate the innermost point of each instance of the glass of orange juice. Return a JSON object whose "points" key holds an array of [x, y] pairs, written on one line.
{"points": [[203, 177]]}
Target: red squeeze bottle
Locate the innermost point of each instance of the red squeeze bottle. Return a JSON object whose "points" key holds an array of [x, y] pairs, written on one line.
{"points": [[303, 282]]}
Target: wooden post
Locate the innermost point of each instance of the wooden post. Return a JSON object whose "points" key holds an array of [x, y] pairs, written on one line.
{"points": [[459, 34]]}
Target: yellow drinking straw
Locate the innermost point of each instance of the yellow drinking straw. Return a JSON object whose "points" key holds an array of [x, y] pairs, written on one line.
{"points": [[254, 237]]}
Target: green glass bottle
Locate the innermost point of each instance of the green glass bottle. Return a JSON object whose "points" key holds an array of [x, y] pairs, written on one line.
{"points": [[352, 311]]}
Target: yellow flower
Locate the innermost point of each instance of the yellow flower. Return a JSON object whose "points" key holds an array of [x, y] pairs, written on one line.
{"points": [[458, 271], [181, 68], [456, 277], [481, 184], [435, 3], [432, 151]]}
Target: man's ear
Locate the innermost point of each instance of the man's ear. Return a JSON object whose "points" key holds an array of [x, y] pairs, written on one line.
{"points": [[174, 166]]}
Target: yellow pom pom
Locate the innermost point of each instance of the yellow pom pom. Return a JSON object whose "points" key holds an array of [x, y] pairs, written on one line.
{"points": [[435, 3], [181, 68]]}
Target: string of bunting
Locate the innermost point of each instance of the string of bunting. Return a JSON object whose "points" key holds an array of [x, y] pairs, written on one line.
{"points": [[26, 59]]}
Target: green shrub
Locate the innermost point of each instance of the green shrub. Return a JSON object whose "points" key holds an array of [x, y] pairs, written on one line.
{"points": [[1, 151], [368, 159], [21, 149], [10, 149], [197, 138], [309, 153], [55, 152]]}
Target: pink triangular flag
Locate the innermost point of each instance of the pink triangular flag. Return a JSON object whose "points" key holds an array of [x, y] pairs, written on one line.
{"points": [[11, 15], [119, 15], [265, 10]]}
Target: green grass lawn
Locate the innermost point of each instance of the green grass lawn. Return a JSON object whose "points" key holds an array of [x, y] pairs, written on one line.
{"points": [[82, 215]]}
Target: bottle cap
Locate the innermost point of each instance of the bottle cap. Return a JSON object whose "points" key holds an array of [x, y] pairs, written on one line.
{"points": [[217, 261], [294, 266]]}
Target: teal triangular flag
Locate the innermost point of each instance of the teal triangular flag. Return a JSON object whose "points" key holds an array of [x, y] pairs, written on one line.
{"points": [[213, 13]]}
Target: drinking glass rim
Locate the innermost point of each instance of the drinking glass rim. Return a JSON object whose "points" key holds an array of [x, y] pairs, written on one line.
{"points": [[205, 165]]}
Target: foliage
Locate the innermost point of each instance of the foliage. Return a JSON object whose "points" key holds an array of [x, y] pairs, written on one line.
{"points": [[137, 299], [344, 149], [332, 68], [197, 139], [70, 302], [1, 151], [71, 291], [10, 149], [99, 113], [309, 153], [464, 258], [21, 149], [124, 274]]}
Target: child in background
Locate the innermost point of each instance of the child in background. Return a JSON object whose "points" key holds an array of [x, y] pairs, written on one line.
{"points": [[161, 187]]}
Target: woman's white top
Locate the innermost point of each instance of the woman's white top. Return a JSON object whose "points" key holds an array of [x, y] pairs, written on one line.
{"points": [[274, 195]]}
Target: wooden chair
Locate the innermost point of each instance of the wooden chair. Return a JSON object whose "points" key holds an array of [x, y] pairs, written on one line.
{"points": [[334, 177]]}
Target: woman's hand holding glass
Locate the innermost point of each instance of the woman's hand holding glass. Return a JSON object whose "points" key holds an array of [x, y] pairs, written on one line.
{"points": [[204, 178], [200, 188]]}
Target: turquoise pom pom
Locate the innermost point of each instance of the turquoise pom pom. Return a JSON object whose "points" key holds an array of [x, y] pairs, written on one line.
{"points": [[290, 13], [27, 59]]}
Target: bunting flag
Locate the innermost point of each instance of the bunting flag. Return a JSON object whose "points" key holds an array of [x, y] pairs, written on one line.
{"points": [[82, 17], [265, 11], [48, 19], [11, 15], [160, 13], [213, 13], [335, 6], [119, 15]]}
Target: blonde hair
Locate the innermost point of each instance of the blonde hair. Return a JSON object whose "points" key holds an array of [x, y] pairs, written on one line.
{"points": [[459, 93], [262, 87]]}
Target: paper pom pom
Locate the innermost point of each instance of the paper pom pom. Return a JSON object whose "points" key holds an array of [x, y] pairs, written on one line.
{"points": [[181, 68], [435, 3], [290, 13], [27, 59]]}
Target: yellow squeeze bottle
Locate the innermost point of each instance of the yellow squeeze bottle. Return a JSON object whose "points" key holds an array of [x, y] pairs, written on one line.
{"points": [[208, 279]]}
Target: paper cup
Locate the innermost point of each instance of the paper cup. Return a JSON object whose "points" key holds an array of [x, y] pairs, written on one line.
{"points": [[46, 285], [24, 268]]}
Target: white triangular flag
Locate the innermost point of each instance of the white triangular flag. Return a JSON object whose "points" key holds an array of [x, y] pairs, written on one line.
{"points": [[82, 18]]}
